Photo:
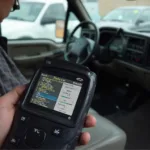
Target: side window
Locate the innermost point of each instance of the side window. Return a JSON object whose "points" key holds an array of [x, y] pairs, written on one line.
{"points": [[35, 20], [145, 17]]}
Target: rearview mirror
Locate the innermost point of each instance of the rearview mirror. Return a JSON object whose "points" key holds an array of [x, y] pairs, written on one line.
{"points": [[47, 20], [60, 28]]}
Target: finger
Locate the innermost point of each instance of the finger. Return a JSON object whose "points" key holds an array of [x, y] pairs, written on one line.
{"points": [[84, 138], [13, 96], [90, 121]]}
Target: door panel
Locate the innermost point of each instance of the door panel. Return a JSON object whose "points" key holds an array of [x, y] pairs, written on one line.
{"points": [[29, 54]]}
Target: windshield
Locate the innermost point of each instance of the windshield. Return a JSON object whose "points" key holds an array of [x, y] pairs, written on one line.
{"points": [[123, 15], [29, 11], [92, 8], [130, 14]]}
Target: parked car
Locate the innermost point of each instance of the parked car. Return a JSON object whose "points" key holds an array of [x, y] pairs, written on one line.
{"points": [[36, 19], [130, 17]]}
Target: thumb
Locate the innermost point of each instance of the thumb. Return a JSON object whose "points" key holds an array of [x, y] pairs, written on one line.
{"points": [[13, 96]]}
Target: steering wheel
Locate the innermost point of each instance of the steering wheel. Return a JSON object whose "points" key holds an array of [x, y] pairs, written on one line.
{"points": [[80, 50]]}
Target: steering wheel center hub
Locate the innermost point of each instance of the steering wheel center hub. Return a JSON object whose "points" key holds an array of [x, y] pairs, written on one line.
{"points": [[79, 46]]}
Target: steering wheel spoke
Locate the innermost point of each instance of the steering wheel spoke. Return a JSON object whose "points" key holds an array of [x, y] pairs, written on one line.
{"points": [[88, 52], [78, 60]]}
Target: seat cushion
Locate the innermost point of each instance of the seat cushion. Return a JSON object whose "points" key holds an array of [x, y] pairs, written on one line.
{"points": [[105, 136]]}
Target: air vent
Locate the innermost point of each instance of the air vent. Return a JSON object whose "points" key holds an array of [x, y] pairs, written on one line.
{"points": [[136, 44]]}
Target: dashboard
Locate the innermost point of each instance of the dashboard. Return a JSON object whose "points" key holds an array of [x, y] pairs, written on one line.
{"points": [[129, 47], [131, 51]]}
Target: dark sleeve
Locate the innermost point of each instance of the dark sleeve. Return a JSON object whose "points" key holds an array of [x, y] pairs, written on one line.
{"points": [[3, 43], [10, 76]]}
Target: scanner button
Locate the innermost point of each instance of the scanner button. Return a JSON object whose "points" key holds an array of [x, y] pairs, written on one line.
{"points": [[15, 141], [57, 132], [23, 119], [35, 137]]}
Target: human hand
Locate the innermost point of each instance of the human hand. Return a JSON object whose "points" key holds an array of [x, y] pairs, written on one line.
{"points": [[7, 111]]}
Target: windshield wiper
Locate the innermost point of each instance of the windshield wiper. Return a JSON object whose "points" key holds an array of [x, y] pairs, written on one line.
{"points": [[116, 20], [142, 31], [16, 18]]}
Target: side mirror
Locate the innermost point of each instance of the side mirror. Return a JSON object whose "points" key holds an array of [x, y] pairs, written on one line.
{"points": [[60, 28], [47, 20], [139, 22]]}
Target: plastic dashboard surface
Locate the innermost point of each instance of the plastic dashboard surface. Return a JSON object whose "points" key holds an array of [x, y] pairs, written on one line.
{"points": [[129, 46]]}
